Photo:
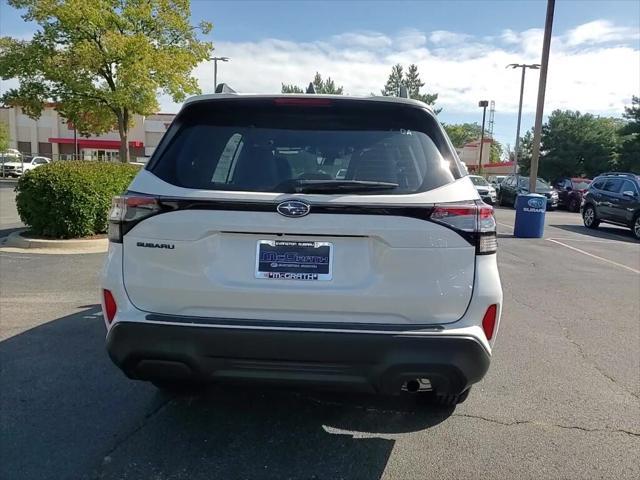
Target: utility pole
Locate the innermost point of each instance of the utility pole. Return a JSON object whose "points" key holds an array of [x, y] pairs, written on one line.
{"points": [[524, 66], [215, 69], [542, 86], [484, 104]]}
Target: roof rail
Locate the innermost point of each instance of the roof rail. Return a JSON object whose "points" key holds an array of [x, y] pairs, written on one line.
{"points": [[224, 88], [621, 174], [404, 92], [311, 88]]}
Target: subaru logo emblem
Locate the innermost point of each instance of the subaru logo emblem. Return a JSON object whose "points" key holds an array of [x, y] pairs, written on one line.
{"points": [[536, 203], [293, 208]]}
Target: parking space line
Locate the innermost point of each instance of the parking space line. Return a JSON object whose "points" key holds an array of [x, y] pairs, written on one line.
{"points": [[505, 225], [595, 256], [586, 240]]}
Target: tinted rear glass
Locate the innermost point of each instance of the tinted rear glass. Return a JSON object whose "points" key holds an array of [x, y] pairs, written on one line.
{"points": [[479, 181], [259, 145], [580, 184]]}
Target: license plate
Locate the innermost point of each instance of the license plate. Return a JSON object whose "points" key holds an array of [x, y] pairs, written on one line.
{"points": [[287, 260]]}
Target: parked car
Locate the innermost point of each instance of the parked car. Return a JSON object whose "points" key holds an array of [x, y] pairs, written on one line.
{"points": [[570, 192], [14, 167], [613, 198], [230, 260], [484, 188], [515, 185], [496, 180]]}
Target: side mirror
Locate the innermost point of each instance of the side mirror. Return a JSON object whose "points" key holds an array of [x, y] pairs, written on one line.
{"points": [[628, 193]]}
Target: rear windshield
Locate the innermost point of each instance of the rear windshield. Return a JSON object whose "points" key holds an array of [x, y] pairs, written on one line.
{"points": [[478, 181], [524, 182], [580, 184], [262, 145]]}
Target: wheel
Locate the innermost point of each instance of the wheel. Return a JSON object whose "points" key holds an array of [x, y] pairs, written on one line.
{"points": [[636, 227], [450, 400], [589, 217], [574, 205]]}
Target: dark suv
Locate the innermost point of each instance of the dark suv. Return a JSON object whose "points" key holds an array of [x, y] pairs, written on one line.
{"points": [[613, 198], [515, 185]]}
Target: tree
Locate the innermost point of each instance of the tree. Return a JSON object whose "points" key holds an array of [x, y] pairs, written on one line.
{"points": [[394, 82], [462, 133], [575, 144], [526, 152], [495, 155], [291, 89], [4, 136], [411, 80], [103, 61], [321, 86], [629, 149]]}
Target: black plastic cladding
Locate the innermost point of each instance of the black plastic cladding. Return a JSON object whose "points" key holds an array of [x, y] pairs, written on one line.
{"points": [[421, 213]]}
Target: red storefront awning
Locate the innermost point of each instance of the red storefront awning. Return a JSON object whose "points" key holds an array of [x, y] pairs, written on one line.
{"points": [[101, 144]]}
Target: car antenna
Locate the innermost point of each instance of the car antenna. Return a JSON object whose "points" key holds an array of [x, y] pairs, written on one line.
{"points": [[311, 88], [224, 88], [404, 92]]}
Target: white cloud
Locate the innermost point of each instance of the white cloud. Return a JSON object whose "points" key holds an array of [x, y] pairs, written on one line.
{"points": [[598, 77], [600, 31], [444, 37], [594, 67]]}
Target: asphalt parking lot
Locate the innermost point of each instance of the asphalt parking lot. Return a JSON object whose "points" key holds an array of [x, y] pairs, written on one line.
{"points": [[561, 400]]}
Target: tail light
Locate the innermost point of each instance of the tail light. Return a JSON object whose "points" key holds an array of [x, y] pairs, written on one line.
{"points": [[110, 306], [489, 321], [126, 211], [303, 102], [475, 222]]}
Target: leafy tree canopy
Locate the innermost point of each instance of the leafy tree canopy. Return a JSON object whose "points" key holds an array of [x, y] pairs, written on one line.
{"points": [[629, 150], [4, 136], [323, 86], [462, 133], [102, 61], [574, 144]]}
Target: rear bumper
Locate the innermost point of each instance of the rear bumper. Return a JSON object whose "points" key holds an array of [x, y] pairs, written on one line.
{"points": [[378, 362]]}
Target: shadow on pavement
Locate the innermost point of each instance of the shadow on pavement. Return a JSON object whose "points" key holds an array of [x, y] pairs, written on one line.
{"points": [[67, 412], [5, 232], [604, 232]]}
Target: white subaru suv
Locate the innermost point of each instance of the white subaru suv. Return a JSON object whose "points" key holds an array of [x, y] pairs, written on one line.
{"points": [[319, 240]]}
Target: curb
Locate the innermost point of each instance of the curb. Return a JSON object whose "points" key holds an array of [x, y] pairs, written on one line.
{"points": [[16, 241]]}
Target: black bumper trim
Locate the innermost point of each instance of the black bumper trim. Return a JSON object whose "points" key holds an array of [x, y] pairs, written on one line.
{"points": [[344, 360]]}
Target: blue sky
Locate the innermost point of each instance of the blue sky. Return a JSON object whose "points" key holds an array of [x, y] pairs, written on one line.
{"points": [[461, 48]]}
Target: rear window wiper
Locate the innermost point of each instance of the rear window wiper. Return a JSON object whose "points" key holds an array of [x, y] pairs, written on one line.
{"points": [[332, 186]]}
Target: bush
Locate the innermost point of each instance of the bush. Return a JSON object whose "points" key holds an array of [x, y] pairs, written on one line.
{"points": [[71, 199]]}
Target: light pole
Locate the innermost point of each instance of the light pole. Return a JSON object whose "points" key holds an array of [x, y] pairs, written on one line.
{"points": [[524, 66], [215, 69], [542, 87], [483, 104]]}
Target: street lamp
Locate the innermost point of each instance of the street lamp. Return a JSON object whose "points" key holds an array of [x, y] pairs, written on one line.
{"points": [[215, 69], [524, 66], [484, 104]]}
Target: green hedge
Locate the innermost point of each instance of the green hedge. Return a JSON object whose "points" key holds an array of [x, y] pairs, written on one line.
{"points": [[71, 199]]}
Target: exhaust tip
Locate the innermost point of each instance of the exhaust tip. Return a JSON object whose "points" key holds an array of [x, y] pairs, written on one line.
{"points": [[417, 385]]}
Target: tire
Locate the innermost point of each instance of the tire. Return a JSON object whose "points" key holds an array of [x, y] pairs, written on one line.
{"points": [[450, 400], [589, 217], [635, 228]]}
